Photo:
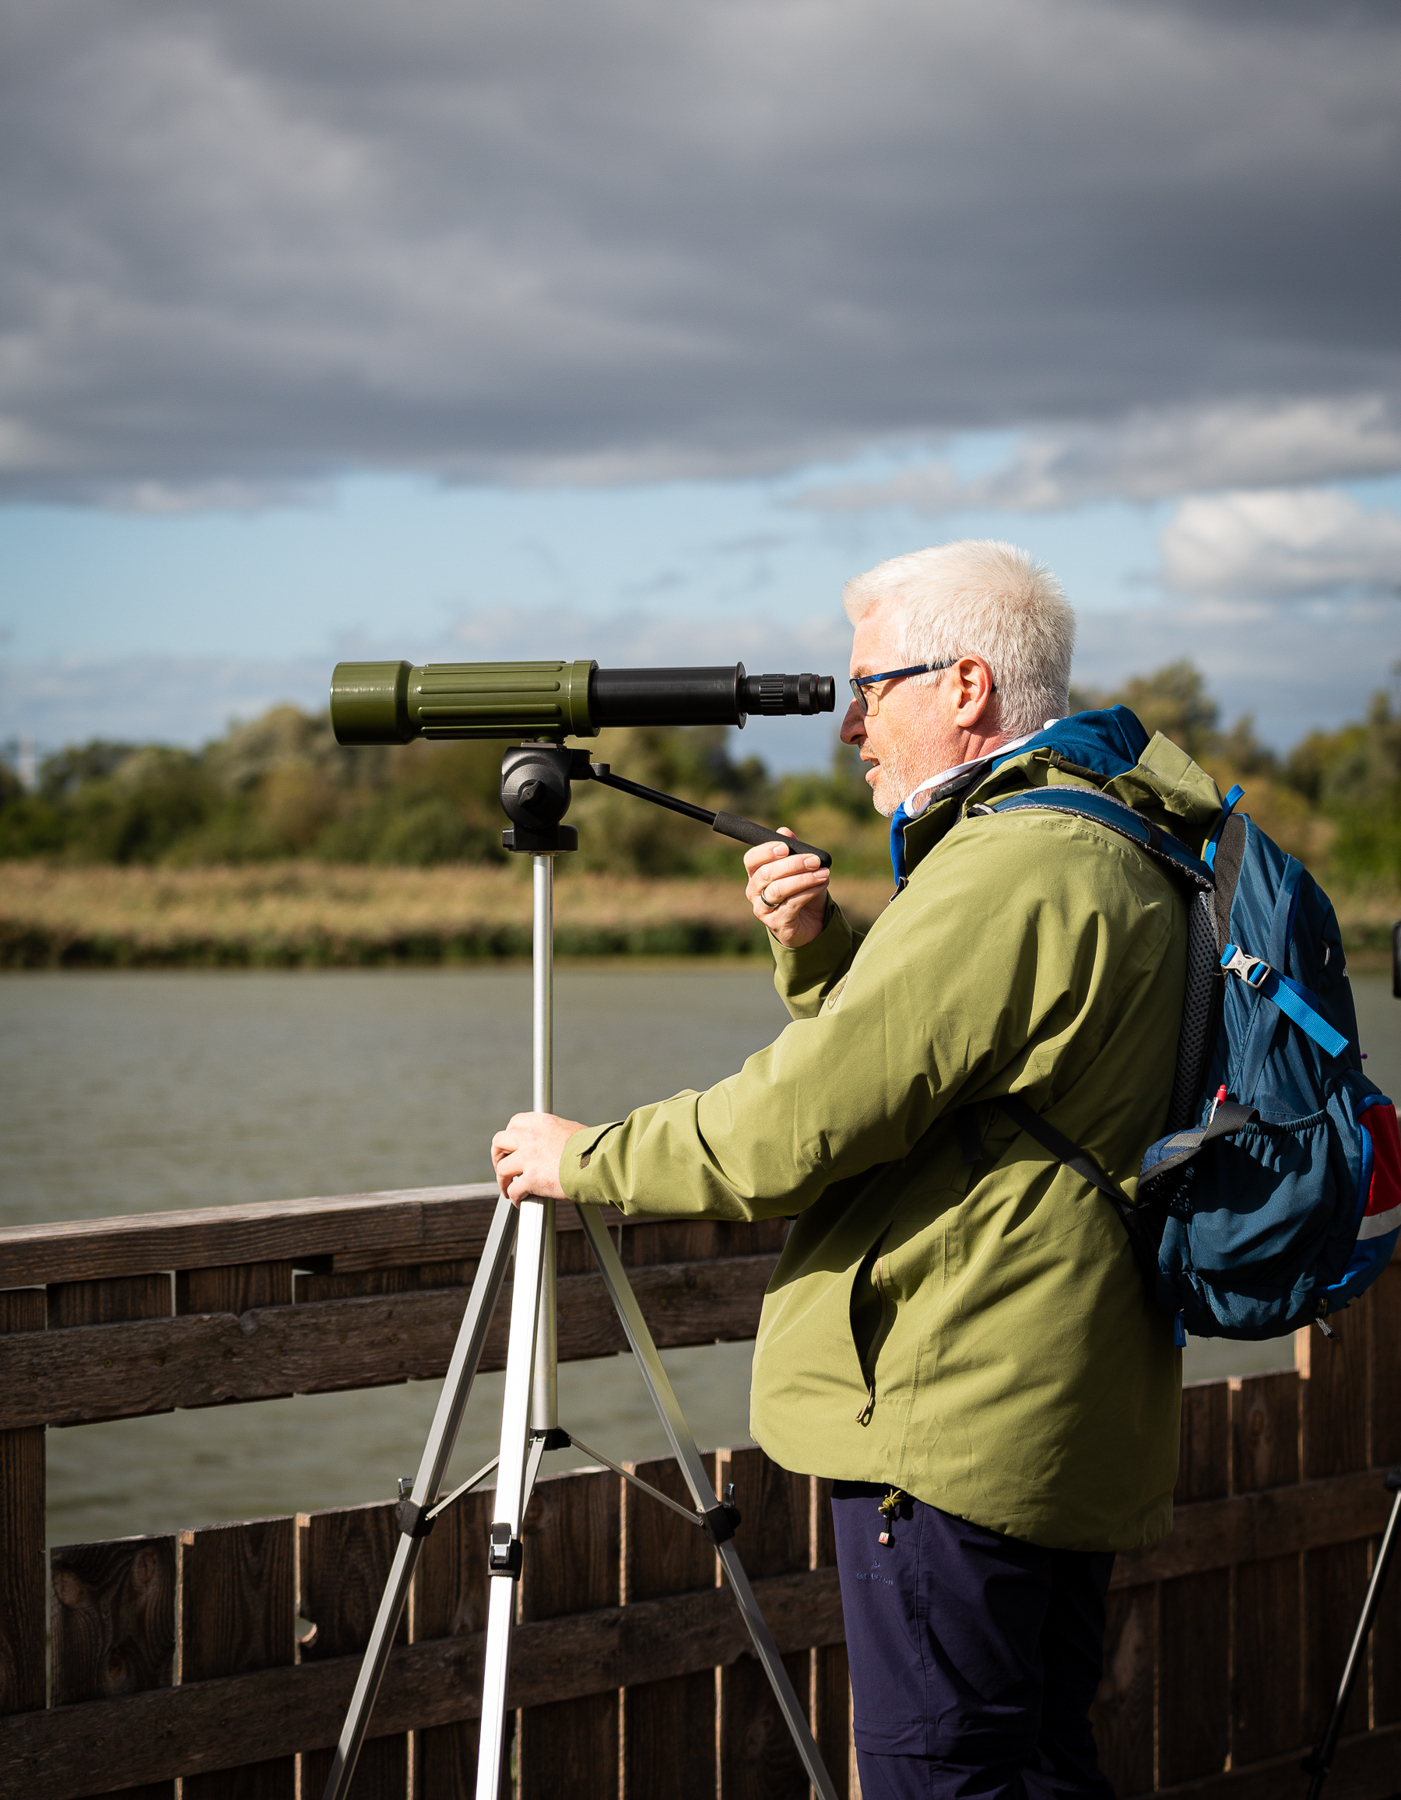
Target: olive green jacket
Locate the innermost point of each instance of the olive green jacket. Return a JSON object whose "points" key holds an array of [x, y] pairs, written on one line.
{"points": [[975, 1332]]}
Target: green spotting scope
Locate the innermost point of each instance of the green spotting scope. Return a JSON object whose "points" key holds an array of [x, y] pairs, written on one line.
{"points": [[392, 702]]}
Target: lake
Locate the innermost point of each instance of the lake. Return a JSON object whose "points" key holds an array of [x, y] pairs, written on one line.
{"points": [[144, 1091]]}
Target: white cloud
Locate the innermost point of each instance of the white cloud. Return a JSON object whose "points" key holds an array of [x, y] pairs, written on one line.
{"points": [[1156, 454], [1281, 543], [1294, 667]]}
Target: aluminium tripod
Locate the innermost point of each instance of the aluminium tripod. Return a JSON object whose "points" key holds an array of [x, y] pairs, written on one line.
{"points": [[535, 792]]}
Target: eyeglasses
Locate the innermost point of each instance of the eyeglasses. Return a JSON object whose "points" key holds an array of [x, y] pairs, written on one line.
{"points": [[870, 703]]}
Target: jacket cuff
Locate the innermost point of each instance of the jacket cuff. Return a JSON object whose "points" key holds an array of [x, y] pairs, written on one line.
{"points": [[803, 975], [576, 1156]]}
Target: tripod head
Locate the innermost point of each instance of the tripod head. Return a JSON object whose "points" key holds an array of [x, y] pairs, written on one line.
{"points": [[536, 788]]}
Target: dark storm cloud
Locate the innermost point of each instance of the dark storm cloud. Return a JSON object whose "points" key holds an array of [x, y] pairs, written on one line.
{"points": [[246, 246]]}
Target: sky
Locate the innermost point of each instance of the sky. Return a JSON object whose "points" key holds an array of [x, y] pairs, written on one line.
{"points": [[611, 330]]}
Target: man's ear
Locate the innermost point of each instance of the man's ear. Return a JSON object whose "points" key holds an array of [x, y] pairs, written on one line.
{"points": [[977, 697]]}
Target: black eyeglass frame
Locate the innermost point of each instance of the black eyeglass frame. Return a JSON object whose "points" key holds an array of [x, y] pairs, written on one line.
{"points": [[859, 683]]}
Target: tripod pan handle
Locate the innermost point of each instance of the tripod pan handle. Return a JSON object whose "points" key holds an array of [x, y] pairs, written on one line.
{"points": [[747, 832]]}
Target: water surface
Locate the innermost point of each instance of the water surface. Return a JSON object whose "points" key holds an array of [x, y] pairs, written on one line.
{"points": [[143, 1091]]}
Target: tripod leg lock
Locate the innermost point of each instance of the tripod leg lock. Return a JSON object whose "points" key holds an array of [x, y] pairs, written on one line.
{"points": [[413, 1521], [721, 1521], [504, 1556]]}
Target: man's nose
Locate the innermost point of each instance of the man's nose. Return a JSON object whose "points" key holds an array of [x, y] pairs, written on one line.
{"points": [[853, 725]]}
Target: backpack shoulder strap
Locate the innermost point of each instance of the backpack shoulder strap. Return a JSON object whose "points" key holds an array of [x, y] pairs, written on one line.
{"points": [[1202, 989], [1103, 809]]}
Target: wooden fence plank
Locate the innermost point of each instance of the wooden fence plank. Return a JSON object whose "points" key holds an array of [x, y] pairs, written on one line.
{"points": [[449, 1601], [1266, 1656], [1122, 1714], [123, 1371], [572, 1564], [233, 1288], [1194, 1610], [70, 1752], [413, 1219], [22, 1514], [668, 1726], [831, 1674], [757, 1757], [107, 1302], [237, 1614], [114, 1626], [406, 1278], [679, 1240], [343, 1564], [1333, 1439], [409, 1225]]}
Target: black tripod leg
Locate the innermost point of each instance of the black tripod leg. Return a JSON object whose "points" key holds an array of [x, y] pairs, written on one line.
{"points": [[1318, 1763], [437, 1453], [683, 1448]]}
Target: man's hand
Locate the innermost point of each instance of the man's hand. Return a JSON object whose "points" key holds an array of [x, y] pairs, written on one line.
{"points": [[788, 893], [525, 1156]]}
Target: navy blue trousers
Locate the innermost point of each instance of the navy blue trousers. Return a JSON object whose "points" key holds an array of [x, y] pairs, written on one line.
{"points": [[974, 1656]]}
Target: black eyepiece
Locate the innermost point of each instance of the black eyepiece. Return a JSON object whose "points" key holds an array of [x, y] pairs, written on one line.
{"points": [[770, 695]]}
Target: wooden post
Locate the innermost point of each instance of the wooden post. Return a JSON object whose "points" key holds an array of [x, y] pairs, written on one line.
{"points": [[831, 1676], [1266, 1650], [668, 1726], [1383, 1305], [1194, 1612], [757, 1758], [22, 1504], [237, 1613], [114, 1625], [572, 1564], [1333, 1440], [343, 1564], [114, 1604], [449, 1600]]}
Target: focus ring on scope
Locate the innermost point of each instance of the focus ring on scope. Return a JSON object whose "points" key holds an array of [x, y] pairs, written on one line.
{"points": [[771, 693]]}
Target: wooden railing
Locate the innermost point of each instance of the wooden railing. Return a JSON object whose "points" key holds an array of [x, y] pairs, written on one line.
{"points": [[178, 1656]]}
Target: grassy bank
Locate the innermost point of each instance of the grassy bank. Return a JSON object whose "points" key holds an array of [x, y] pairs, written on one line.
{"points": [[305, 914], [292, 914]]}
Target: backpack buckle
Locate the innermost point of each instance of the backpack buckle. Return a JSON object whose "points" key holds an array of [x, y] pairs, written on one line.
{"points": [[1253, 970]]}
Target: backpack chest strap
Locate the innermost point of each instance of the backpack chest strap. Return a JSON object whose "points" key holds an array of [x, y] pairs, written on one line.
{"points": [[1289, 996]]}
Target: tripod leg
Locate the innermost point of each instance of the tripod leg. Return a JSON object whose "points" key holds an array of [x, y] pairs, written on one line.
{"points": [[437, 1453], [513, 1480], [683, 1447]]}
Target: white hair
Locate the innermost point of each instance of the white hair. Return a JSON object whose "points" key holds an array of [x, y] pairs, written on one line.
{"points": [[979, 597]]}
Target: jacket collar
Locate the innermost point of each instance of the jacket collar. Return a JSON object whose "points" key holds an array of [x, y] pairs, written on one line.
{"points": [[1102, 744]]}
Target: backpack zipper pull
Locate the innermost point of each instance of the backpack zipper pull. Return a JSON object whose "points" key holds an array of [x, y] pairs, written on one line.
{"points": [[1179, 1331], [864, 1416]]}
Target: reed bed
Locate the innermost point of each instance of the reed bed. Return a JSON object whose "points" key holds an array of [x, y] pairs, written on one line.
{"points": [[293, 914]]}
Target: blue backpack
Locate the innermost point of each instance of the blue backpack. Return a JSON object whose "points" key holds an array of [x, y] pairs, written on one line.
{"points": [[1275, 1197]]}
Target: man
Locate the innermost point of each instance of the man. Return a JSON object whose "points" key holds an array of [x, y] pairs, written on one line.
{"points": [[956, 1332]]}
